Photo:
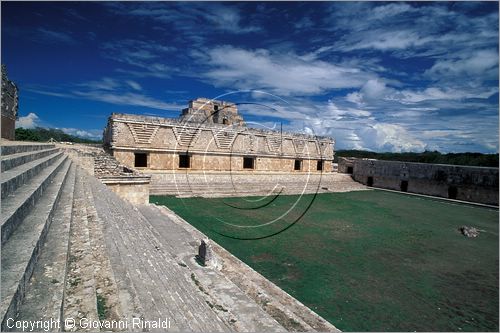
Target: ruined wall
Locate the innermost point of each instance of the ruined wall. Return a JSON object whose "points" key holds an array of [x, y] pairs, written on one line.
{"points": [[126, 182], [10, 105], [204, 110], [474, 184], [212, 146], [133, 189]]}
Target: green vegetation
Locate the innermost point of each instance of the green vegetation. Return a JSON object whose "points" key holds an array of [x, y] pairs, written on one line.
{"points": [[101, 307], [471, 159], [45, 134], [366, 260], [198, 284]]}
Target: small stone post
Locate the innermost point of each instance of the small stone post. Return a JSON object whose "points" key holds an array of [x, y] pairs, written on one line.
{"points": [[205, 253]]}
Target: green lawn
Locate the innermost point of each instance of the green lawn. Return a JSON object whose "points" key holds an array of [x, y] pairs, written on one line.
{"points": [[367, 260]]}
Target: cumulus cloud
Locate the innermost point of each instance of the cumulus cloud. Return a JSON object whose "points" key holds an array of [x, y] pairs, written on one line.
{"points": [[390, 137], [29, 121]]}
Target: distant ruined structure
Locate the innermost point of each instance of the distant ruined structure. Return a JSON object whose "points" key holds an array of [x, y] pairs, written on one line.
{"points": [[466, 183], [10, 102], [211, 135]]}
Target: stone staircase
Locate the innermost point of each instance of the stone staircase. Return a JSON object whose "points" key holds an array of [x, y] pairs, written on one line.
{"points": [[71, 248], [33, 177]]}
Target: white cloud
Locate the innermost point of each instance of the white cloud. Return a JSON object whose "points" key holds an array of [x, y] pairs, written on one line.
{"points": [[146, 55], [482, 64], [112, 91], [85, 134], [284, 74], [51, 36], [29, 121], [432, 93], [134, 85], [390, 137], [105, 83], [375, 93], [127, 99], [187, 17]]}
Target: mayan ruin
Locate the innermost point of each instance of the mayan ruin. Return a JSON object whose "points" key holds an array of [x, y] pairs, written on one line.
{"points": [[249, 166], [10, 101], [211, 136]]}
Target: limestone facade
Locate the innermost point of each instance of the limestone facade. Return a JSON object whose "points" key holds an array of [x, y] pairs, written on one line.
{"points": [[215, 140], [10, 105], [474, 184]]}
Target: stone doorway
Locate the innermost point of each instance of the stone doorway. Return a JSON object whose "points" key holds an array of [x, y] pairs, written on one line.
{"points": [[404, 186], [452, 192], [369, 181], [141, 160]]}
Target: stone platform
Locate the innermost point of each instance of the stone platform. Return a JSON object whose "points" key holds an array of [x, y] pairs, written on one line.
{"points": [[226, 184]]}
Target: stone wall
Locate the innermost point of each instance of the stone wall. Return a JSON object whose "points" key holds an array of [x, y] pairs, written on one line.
{"points": [[215, 147], [473, 184], [134, 189], [128, 183], [10, 105], [217, 162]]}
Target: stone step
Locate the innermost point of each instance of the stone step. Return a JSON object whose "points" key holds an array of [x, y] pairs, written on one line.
{"points": [[127, 240], [21, 251], [14, 160], [239, 187], [242, 310], [80, 297], [44, 293], [16, 207], [9, 149], [14, 178], [161, 286], [119, 301], [127, 294]]}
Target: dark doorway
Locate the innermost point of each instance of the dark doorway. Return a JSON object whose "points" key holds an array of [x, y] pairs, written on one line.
{"points": [[248, 163], [349, 170], [184, 161], [452, 192], [298, 165], [369, 181], [141, 160], [404, 186], [225, 121], [319, 166]]}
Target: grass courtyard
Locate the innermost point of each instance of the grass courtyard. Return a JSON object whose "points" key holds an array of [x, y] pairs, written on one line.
{"points": [[367, 260]]}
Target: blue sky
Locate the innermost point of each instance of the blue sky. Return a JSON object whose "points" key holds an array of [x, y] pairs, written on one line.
{"points": [[384, 76]]}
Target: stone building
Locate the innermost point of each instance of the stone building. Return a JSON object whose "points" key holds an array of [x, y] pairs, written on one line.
{"points": [[10, 103], [211, 136], [474, 184]]}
